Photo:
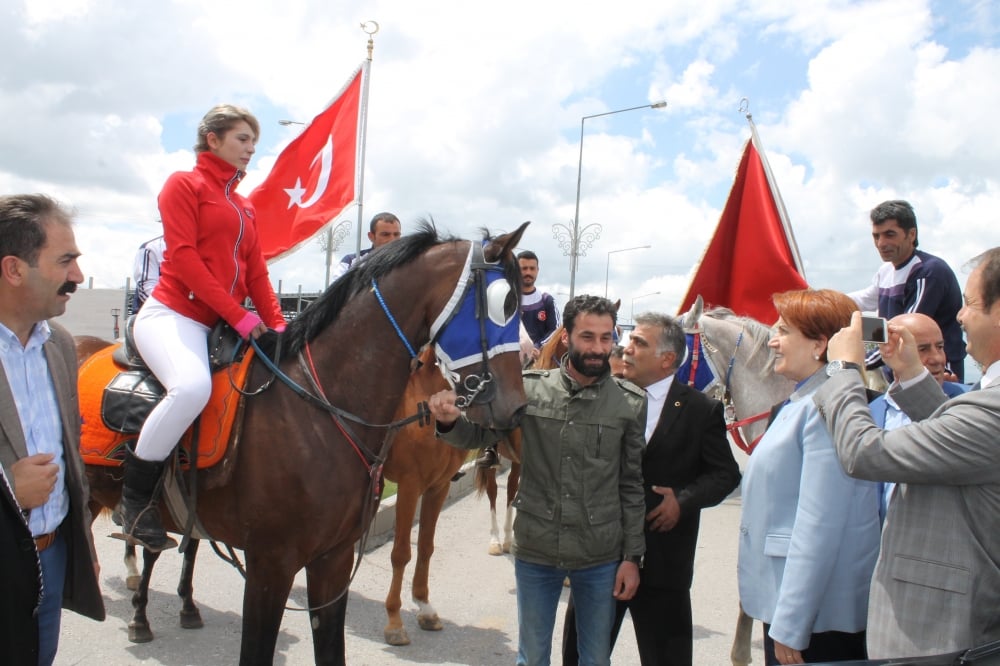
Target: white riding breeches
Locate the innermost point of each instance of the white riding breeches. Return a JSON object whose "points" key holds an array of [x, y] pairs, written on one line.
{"points": [[175, 348]]}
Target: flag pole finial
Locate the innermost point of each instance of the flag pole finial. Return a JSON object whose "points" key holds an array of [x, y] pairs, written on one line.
{"points": [[745, 109], [370, 28]]}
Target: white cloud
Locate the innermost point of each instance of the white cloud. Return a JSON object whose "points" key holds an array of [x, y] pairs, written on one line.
{"points": [[475, 111]]}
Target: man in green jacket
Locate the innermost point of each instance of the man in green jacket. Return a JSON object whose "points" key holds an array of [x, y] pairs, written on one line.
{"points": [[580, 503]]}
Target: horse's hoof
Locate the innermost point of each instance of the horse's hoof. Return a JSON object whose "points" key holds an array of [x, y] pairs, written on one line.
{"points": [[139, 633], [430, 622], [132, 582], [396, 636], [496, 549], [506, 546], [191, 619]]}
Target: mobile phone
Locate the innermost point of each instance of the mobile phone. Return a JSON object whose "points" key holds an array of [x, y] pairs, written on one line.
{"points": [[874, 329]]}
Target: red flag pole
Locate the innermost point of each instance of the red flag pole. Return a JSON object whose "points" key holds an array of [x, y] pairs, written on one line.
{"points": [[369, 27], [779, 202]]}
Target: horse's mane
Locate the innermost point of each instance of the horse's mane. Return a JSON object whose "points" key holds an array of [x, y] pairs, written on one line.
{"points": [[546, 354], [760, 334], [324, 310]]}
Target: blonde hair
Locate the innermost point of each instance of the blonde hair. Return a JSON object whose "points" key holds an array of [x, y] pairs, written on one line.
{"points": [[220, 119]]}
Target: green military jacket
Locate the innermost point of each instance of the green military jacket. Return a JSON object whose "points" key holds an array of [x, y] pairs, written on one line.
{"points": [[580, 500]]}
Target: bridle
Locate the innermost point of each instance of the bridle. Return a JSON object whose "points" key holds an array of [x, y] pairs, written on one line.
{"points": [[723, 391]]}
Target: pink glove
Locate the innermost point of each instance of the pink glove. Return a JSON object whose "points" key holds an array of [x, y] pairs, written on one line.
{"points": [[247, 324]]}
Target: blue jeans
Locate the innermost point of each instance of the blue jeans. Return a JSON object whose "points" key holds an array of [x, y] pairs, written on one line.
{"points": [[53, 561], [538, 590]]}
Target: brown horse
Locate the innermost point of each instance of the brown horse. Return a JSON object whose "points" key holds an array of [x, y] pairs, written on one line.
{"points": [[549, 356], [138, 628], [297, 487], [422, 467]]}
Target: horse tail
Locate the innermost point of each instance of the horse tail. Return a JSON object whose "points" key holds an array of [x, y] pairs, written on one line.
{"points": [[482, 479]]}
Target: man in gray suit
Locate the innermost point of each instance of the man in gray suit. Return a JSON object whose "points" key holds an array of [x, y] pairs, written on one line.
{"points": [[39, 413], [936, 587]]}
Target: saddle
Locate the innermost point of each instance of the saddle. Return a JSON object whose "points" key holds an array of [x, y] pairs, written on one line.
{"points": [[117, 393]]}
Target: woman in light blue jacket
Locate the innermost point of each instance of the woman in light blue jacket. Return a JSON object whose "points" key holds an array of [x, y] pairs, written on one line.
{"points": [[809, 534]]}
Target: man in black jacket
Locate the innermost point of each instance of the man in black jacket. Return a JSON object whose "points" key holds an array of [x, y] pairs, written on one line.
{"points": [[21, 582], [687, 466]]}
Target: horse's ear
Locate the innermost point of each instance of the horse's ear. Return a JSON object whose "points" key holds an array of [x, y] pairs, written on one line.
{"points": [[689, 322], [617, 305], [501, 245]]}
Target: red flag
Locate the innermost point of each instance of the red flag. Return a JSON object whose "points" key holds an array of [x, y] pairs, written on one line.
{"points": [[314, 177], [752, 254]]}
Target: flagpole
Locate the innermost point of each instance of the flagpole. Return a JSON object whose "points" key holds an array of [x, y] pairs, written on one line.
{"points": [[370, 28], [779, 202]]}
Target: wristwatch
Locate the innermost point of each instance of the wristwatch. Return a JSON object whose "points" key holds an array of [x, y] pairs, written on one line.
{"points": [[836, 366], [635, 559]]}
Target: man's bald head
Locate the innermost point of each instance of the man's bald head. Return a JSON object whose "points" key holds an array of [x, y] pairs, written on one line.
{"points": [[930, 341]]}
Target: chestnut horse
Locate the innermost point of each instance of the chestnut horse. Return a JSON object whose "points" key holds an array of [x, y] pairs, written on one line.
{"points": [[510, 447], [422, 467], [313, 444]]}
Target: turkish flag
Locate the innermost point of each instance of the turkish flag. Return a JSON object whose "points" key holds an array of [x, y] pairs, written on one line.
{"points": [[314, 178], [751, 256]]}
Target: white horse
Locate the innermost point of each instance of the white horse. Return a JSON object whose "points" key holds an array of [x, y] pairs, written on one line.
{"points": [[742, 376]]}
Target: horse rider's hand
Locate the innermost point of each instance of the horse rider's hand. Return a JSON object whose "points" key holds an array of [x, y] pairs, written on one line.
{"points": [[626, 580], [443, 409], [34, 479], [846, 344], [900, 353], [787, 655], [665, 515]]}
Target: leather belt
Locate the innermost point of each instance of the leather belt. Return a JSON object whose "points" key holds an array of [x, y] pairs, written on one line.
{"points": [[46, 540]]}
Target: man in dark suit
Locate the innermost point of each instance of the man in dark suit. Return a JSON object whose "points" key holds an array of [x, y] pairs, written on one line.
{"points": [[687, 466], [39, 412], [20, 584]]}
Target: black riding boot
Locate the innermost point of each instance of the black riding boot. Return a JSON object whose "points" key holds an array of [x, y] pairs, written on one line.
{"points": [[140, 514]]}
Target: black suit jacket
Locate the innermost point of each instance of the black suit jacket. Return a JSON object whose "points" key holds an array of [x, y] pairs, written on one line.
{"points": [[19, 584], [688, 452]]}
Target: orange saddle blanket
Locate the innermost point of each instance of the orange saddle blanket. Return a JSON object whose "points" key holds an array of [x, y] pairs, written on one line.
{"points": [[100, 445]]}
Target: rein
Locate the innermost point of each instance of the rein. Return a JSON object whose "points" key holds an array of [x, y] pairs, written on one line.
{"points": [[733, 427]]}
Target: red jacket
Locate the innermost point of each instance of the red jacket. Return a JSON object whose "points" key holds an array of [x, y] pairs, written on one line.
{"points": [[213, 259]]}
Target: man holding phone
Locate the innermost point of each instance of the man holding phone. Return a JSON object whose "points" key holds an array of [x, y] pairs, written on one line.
{"points": [[937, 580], [911, 281]]}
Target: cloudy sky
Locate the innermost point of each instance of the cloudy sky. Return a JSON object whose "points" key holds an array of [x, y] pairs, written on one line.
{"points": [[475, 113]]}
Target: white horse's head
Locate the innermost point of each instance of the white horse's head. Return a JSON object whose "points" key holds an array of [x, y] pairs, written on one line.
{"points": [[736, 350]]}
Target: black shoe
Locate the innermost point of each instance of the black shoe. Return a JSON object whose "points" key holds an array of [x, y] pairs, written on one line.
{"points": [[140, 514], [489, 458]]}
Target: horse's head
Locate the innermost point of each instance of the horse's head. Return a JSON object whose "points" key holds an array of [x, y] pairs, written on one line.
{"points": [[729, 359], [476, 335]]}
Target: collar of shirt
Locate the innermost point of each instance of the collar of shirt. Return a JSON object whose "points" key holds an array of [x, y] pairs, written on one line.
{"points": [[40, 334], [991, 375], [656, 395]]}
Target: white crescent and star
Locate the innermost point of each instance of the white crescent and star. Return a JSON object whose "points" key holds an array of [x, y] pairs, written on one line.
{"points": [[325, 158]]}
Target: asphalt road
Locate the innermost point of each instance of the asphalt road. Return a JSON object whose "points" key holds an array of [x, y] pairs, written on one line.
{"points": [[472, 591]]}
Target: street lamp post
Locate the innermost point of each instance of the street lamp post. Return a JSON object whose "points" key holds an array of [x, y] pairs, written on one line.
{"points": [[607, 271], [574, 254], [632, 314]]}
